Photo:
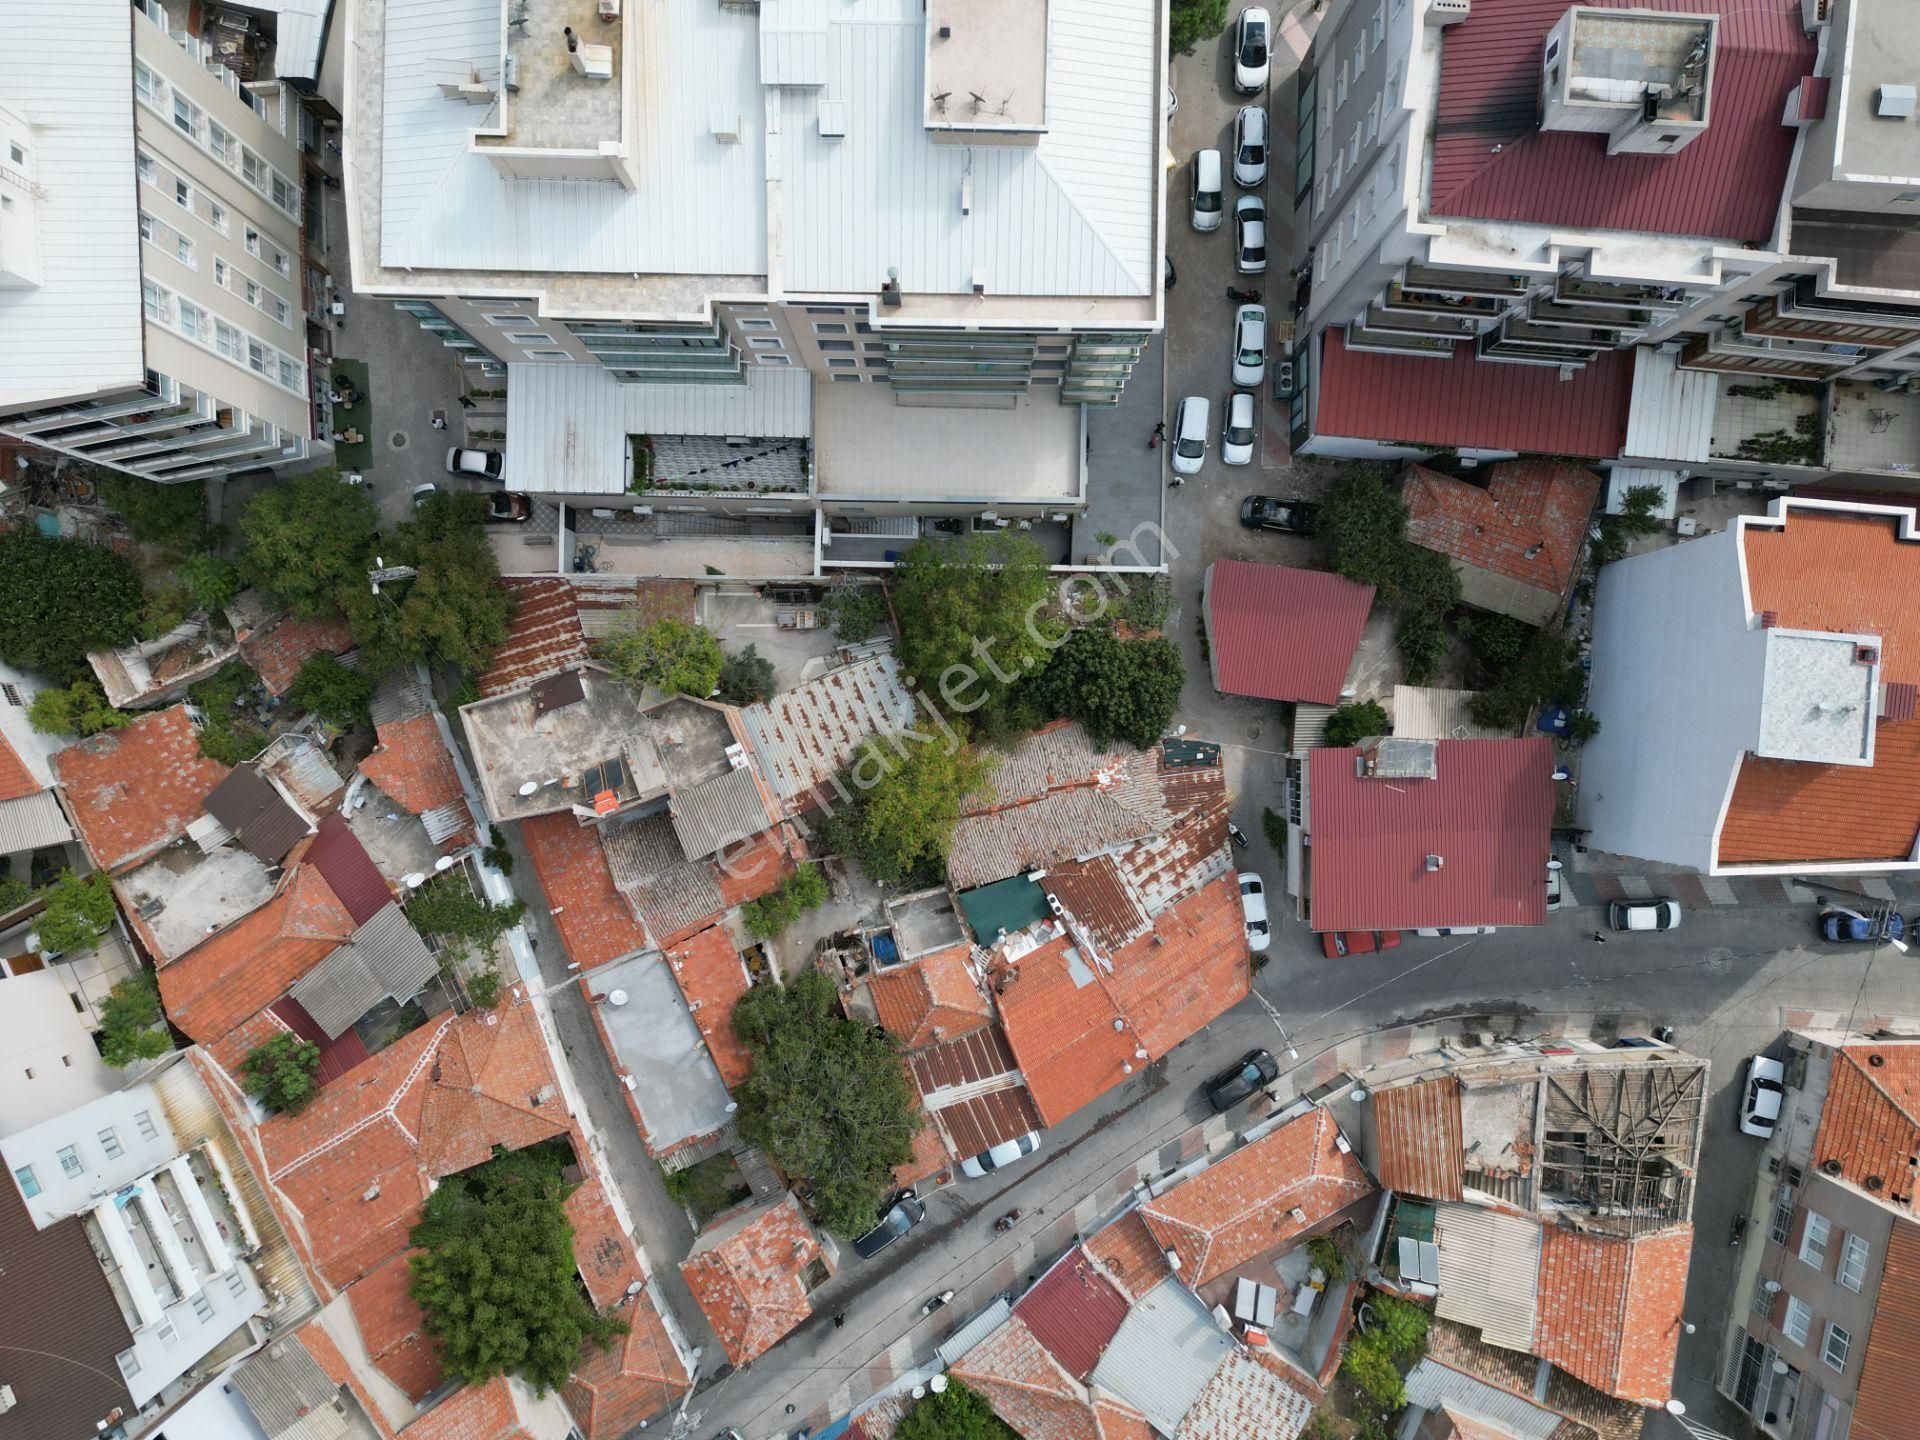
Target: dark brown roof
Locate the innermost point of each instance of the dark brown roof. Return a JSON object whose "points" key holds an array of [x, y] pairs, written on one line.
{"points": [[979, 1123], [248, 805], [59, 1330], [557, 691]]}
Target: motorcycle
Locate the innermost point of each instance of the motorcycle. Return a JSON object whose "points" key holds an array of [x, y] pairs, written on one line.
{"points": [[1246, 297], [936, 1302], [1237, 835], [1006, 1222]]}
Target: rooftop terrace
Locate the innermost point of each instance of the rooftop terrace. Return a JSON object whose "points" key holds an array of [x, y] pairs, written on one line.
{"points": [[986, 67], [564, 99], [184, 896], [552, 747]]}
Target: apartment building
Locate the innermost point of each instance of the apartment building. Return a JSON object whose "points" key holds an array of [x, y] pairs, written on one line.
{"points": [[1681, 239], [159, 311], [874, 260]]}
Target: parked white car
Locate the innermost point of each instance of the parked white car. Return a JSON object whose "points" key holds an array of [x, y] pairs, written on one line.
{"points": [[1250, 346], [1208, 205], [1253, 908], [1236, 440], [1001, 1155], [1250, 146], [485, 463], [1190, 434], [423, 493], [1644, 914], [1252, 39], [1762, 1096], [1250, 235]]}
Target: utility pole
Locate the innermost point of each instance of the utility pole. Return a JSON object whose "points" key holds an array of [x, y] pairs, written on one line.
{"points": [[1293, 1052]]}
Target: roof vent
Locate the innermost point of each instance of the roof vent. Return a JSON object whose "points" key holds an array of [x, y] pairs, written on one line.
{"points": [[371, 1193], [1893, 102], [1435, 863], [1448, 12], [1876, 1059], [1831, 1165], [1173, 1259], [1875, 1183], [1297, 1215], [1866, 654], [1769, 619], [833, 119]]}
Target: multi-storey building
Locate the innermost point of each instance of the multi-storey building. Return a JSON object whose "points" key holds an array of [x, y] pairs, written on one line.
{"points": [[874, 260], [158, 309]]}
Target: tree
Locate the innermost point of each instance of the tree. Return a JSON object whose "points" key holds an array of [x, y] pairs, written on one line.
{"points": [[905, 806], [1192, 21], [1366, 524], [130, 1026], [495, 1275], [78, 912], [669, 655], [212, 580], [1119, 689], [1353, 722], [229, 735], [746, 678], [453, 611], [827, 1099], [955, 1413], [307, 541], [804, 890], [1548, 670], [335, 692], [62, 598], [76, 709], [973, 615], [172, 516], [855, 611], [281, 1073], [465, 924], [1369, 1366]]}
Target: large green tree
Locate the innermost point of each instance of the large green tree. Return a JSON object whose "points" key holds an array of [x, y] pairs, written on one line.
{"points": [[76, 709], [902, 807], [1191, 21], [668, 655], [61, 598], [1119, 689], [335, 692], [282, 1072], [454, 610], [78, 911], [495, 1273], [464, 923], [308, 540], [955, 1413], [130, 1027], [976, 615], [828, 1098], [1365, 522]]}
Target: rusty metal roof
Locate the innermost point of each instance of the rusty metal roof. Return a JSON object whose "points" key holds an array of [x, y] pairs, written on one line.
{"points": [[983, 1055], [1074, 1311], [974, 1126], [804, 736], [1420, 1144]]}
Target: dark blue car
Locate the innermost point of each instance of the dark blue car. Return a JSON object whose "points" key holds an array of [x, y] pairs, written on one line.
{"points": [[1845, 928]]}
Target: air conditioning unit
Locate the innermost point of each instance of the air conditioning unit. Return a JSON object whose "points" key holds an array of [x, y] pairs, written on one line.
{"points": [[1447, 12]]}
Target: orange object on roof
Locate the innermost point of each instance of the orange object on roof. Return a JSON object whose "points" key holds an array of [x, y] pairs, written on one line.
{"points": [[605, 802], [278, 650], [1128, 1255], [1421, 1145], [545, 635]]}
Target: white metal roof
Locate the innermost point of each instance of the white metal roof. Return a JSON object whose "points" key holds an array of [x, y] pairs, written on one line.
{"points": [[567, 425], [300, 36], [700, 207], [1164, 1355], [1073, 215], [79, 331], [1489, 1272], [1670, 414]]}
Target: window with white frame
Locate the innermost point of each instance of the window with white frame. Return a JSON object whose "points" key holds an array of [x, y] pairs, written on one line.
{"points": [[1360, 58], [144, 167], [69, 1158], [110, 1143], [1353, 150], [143, 1121], [1379, 26], [509, 318], [183, 252], [548, 355], [1797, 1323], [1813, 1240], [220, 140], [770, 359], [529, 337], [182, 194], [29, 1182], [1853, 1262], [1340, 87], [1373, 120], [1834, 1349], [149, 228], [188, 118], [148, 87], [228, 341], [222, 273], [755, 324], [154, 300], [217, 216], [1392, 88], [202, 1307], [193, 321]]}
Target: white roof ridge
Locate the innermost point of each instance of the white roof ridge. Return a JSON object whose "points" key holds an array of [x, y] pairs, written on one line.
{"points": [[1073, 203]]}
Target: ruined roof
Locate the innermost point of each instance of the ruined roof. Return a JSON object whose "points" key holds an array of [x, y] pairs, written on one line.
{"points": [[277, 651], [1609, 1308], [1417, 1126], [1239, 1207], [713, 977], [804, 736], [413, 769], [673, 895], [1252, 1396], [1527, 524], [384, 959], [1073, 1311], [1129, 1255], [1870, 1121], [594, 919], [934, 998], [545, 635], [133, 790], [1586, 1411], [259, 816], [746, 1277]]}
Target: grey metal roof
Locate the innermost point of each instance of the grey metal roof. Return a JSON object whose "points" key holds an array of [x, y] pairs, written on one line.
{"points": [[1431, 1384], [1164, 1355], [30, 821], [1489, 1272], [248, 805], [975, 1330], [670, 891], [719, 812], [281, 1384], [401, 696], [395, 952], [301, 36], [803, 736], [385, 958]]}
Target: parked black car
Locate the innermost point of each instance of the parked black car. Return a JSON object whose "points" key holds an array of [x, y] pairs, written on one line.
{"points": [[902, 1215], [1291, 517], [1247, 1074]]}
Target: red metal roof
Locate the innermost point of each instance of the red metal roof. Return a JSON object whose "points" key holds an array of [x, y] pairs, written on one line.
{"points": [[1813, 97], [337, 1057], [350, 873], [1492, 161], [1486, 814], [1422, 1150], [545, 635], [1426, 401], [1074, 1312], [1282, 634]]}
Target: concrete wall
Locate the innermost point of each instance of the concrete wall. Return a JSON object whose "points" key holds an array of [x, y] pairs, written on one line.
{"points": [[1855, 159]]}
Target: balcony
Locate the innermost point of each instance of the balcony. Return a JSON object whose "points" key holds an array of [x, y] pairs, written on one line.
{"points": [[1402, 322], [1730, 350], [1360, 337], [1575, 289], [1517, 339], [1805, 317], [1544, 310], [1399, 300], [1486, 283]]}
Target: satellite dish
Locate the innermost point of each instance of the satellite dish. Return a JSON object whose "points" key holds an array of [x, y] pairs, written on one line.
{"points": [[616, 997], [444, 863], [529, 787], [937, 1384], [413, 881]]}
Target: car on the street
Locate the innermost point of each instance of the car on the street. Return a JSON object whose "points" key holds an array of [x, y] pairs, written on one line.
{"points": [[1240, 1079], [1001, 1155], [1171, 276], [1237, 835], [1236, 439], [1250, 235], [1252, 40], [1250, 146], [484, 463], [1762, 1096], [1253, 909], [1208, 193], [423, 493], [1289, 517], [903, 1213], [1845, 927], [1190, 423], [1644, 914], [1249, 345], [509, 506], [1336, 943]]}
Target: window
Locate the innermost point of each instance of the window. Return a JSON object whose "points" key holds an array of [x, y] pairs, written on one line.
{"points": [[1763, 1302], [220, 140], [70, 1165], [1379, 23], [548, 355], [829, 327], [826, 309], [29, 1182], [1813, 1241], [183, 249], [236, 1282], [839, 364], [1834, 1351], [1782, 1214], [510, 319], [18, 152], [217, 216], [1798, 1323], [222, 273], [1853, 1263], [1360, 58], [148, 86], [1353, 150], [285, 195], [186, 115], [1353, 226], [1392, 88], [202, 1307], [110, 1143], [774, 359], [154, 300], [764, 342], [148, 227], [129, 1363], [755, 324], [282, 311], [226, 340], [529, 337], [12, 692], [168, 1335], [836, 344], [846, 379], [182, 194], [144, 1120], [1340, 87], [143, 165]]}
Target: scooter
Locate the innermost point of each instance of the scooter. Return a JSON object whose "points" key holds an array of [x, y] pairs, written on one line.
{"points": [[1237, 835], [1006, 1222], [936, 1302], [1246, 297]]}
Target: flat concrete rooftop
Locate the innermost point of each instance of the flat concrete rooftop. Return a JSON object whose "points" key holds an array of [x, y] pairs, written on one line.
{"points": [[517, 743], [184, 896], [556, 107], [989, 70], [655, 1040], [866, 446], [692, 739]]}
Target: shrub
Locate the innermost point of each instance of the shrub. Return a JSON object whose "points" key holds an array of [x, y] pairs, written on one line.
{"points": [[1582, 726], [1355, 721], [76, 709], [483, 988], [1369, 1366], [62, 598], [1322, 1252], [78, 912], [212, 580], [1401, 1324], [335, 692], [804, 890], [281, 1073], [128, 1020], [168, 515], [1119, 689], [955, 1413], [668, 655], [1275, 825], [855, 611], [1191, 21], [746, 678]]}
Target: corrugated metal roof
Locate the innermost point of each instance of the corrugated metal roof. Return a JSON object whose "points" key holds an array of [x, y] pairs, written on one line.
{"points": [[1429, 402], [1669, 410], [1255, 1396], [804, 736], [974, 1331], [1431, 1385], [1422, 1150], [567, 425], [1277, 633], [1074, 1311], [338, 991], [1164, 1355], [31, 821], [300, 37], [281, 1384], [1889, 1395], [248, 805], [80, 329], [350, 873], [969, 1060], [1487, 815], [719, 812], [699, 207], [1426, 712], [975, 1125], [1489, 1272], [670, 891], [1491, 160]]}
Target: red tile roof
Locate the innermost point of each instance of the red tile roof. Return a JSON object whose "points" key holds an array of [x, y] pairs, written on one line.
{"points": [[1491, 160], [1422, 1150], [1074, 1311], [277, 651], [1889, 1394], [1240, 1207], [748, 1284], [935, 998], [713, 977], [394, 1328], [412, 766], [593, 917], [1487, 814], [234, 974], [473, 1412], [1129, 1255], [545, 635], [132, 791], [929, 1158], [15, 779], [1190, 967], [1609, 1308], [606, 1257], [755, 867], [1435, 402], [1870, 1120], [1527, 524], [611, 1391], [337, 853], [1254, 1392], [1030, 1390], [1277, 633]]}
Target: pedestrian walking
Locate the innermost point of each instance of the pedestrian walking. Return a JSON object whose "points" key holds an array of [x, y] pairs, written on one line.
{"points": [[1598, 938], [466, 401], [439, 422], [838, 1321], [1159, 434]]}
